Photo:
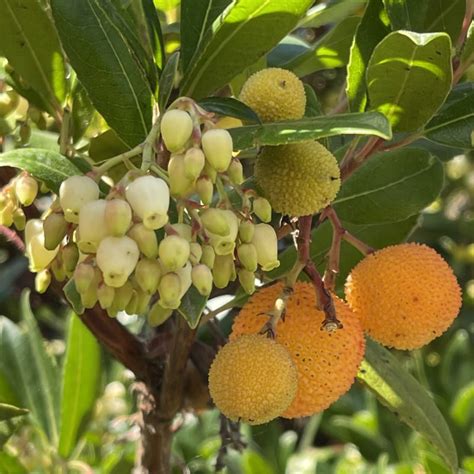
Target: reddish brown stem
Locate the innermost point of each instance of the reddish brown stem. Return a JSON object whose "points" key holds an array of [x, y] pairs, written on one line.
{"points": [[353, 162], [12, 237]]}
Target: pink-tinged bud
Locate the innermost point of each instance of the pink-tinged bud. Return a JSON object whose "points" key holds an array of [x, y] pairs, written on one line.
{"points": [[145, 239], [42, 281], [158, 315], [205, 190], [215, 221], [173, 252], [19, 218], [223, 270], [247, 281], [92, 227], [55, 227], [266, 243], [236, 172], [195, 253], [202, 279], [246, 231], [150, 199], [183, 230], [147, 274], [58, 269], [105, 295], [123, 295], [170, 291], [118, 217], [39, 256], [208, 256], [180, 185], [70, 256], [176, 129], [74, 192], [83, 277], [194, 161], [262, 209], [117, 258], [247, 254], [26, 189], [217, 146]]}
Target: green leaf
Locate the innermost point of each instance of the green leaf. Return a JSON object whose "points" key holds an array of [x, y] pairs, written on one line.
{"points": [[462, 407], [192, 306], [229, 107], [47, 166], [427, 16], [454, 123], [409, 77], [10, 464], [331, 51], [11, 411], [73, 296], [373, 27], [313, 106], [310, 128], [381, 372], [391, 186], [167, 80], [31, 44], [330, 12], [467, 54], [80, 383], [243, 34], [105, 64], [7, 429], [197, 17], [154, 31], [286, 51], [82, 112]]}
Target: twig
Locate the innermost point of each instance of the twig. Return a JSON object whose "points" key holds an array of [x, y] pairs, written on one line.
{"points": [[350, 165], [12, 237]]}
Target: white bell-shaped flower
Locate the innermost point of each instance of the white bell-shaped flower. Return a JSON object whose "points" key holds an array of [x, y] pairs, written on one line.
{"points": [[176, 129], [92, 228], [217, 146], [74, 192], [225, 245], [202, 279], [266, 242], [174, 252], [35, 249]]}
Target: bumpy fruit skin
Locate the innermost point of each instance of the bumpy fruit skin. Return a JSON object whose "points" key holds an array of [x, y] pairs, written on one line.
{"points": [[327, 363], [252, 379], [405, 295], [298, 179], [275, 94]]}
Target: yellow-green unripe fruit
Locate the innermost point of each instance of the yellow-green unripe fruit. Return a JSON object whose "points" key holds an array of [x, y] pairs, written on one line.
{"points": [[217, 146], [298, 179], [176, 129], [275, 94]]}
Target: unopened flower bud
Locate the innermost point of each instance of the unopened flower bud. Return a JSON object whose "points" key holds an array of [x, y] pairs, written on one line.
{"points": [[33, 227], [223, 270], [236, 172], [39, 256], [202, 279], [145, 239], [246, 231], [195, 253], [205, 190], [6, 215], [208, 256], [217, 146], [57, 268], [215, 221], [247, 281], [55, 227], [262, 209], [26, 189], [4, 200], [150, 198], [118, 217], [89, 297], [184, 274], [158, 315], [194, 161], [25, 133], [105, 295], [183, 230], [19, 218], [176, 129], [123, 295], [170, 291], [91, 225], [247, 254], [117, 258], [180, 185], [173, 252], [225, 245], [83, 277], [132, 305], [42, 281], [266, 243], [74, 192], [70, 256], [147, 274], [210, 172], [143, 300]]}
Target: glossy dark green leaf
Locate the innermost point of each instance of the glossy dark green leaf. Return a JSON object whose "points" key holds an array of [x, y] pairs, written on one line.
{"points": [[373, 27], [105, 64], [197, 17], [310, 128], [409, 77], [81, 383], [167, 80], [10, 411], [82, 112], [324, 13], [397, 389], [391, 186], [427, 16], [31, 44], [453, 125], [73, 297], [154, 31], [230, 107], [244, 33], [192, 306], [47, 166], [331, 51]]}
